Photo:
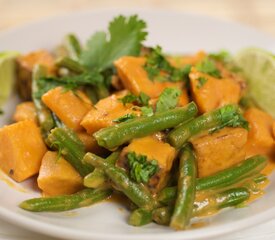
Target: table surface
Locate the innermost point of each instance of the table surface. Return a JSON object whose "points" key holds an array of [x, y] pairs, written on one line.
{"points": [[256, 13]]}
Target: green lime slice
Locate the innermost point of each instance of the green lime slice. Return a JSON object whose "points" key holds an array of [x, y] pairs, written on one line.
{"points": [[7, 74], [258, 67]]}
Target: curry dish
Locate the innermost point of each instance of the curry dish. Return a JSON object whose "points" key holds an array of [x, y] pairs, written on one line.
{"points": [[176, 135]]}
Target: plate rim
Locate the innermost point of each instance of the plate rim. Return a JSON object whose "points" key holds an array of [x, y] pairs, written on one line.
{"points": [[60, 231]]}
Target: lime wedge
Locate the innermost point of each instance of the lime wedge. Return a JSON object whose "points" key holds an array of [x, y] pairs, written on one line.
{"points": [[258, 67], [7, 74]]}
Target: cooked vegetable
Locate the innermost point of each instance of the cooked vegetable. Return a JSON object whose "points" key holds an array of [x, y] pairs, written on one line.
{"points": [[227, 116], [22, 149], [228, 198], [98, 178], [69, 145], [219, 150], [44, 115], [134, 191], [115, 136], [25, 111], [83, 198], [69, 106], [186, 190], [140, 217], [57, 176], [70, 64], [235, 175], [72, 46]]}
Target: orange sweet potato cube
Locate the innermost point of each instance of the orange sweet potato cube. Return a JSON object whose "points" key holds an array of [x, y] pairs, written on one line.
{"points": [[21, 150]]}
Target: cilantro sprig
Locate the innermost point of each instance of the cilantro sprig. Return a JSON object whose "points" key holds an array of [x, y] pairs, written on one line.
{"points": [[125, 118], [124, 37], [168, 99], [141, 170], [158, 68], [141, 100], [208, 66]]}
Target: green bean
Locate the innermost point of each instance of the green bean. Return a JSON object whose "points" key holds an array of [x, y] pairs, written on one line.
{"points": [[137, 193], [225, 178], [140, 217], [186, 190], [97, 178], [70, 64], [44, 115], [119, 134], [228, 198], [83, 198], [73, 46], [226, 116], [71, 147]]}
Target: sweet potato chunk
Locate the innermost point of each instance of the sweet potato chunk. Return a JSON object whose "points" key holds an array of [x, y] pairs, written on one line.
{"points": [[21, 150], [154, 149], [70, 107], [25, 111], [25, 67], [260, 135], [135, 79], [105, 111], [90, 143], [213, 93], [181, 61], [219, 150], [57, 176]]}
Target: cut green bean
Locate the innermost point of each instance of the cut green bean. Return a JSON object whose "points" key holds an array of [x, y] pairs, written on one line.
{"points": [[72, 46], [71, 147], [225, 178], [229, 198], [137, 193], [45, 119], [140, 217], [83, 198], [114, 136], [185, 191], [98, 178], [70, 64], [228, 115]]}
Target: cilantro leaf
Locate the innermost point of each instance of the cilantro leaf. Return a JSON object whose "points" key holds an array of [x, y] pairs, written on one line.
{"points": [[158, 68], [125, 118], [222, 56], [208, 66], [231, 117], [201, 82], [147, 111], [124, 38], [141, 170], [168, 99], [142, 99]]}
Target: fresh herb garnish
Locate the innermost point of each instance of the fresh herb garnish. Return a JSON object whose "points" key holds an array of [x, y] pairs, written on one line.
{"points": [[221, 56], [168, 99], [231, 117], [201, 82], [159, 69], [125, 118], [208, 66], [147, 111], [141, 170], [141, 100], [125, 37]]}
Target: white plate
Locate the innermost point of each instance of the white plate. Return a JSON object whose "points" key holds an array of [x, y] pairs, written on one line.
{"points": [[176, 32]]}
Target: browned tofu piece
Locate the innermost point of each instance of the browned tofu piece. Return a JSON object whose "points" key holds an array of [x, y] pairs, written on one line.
{"points": [[135, 79], [21, 150], [57, 176], [70, 107], [25, 66], [260, 135], [154, 149], [220, 150], [25, 111], [105, 111], [213, 93]]}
